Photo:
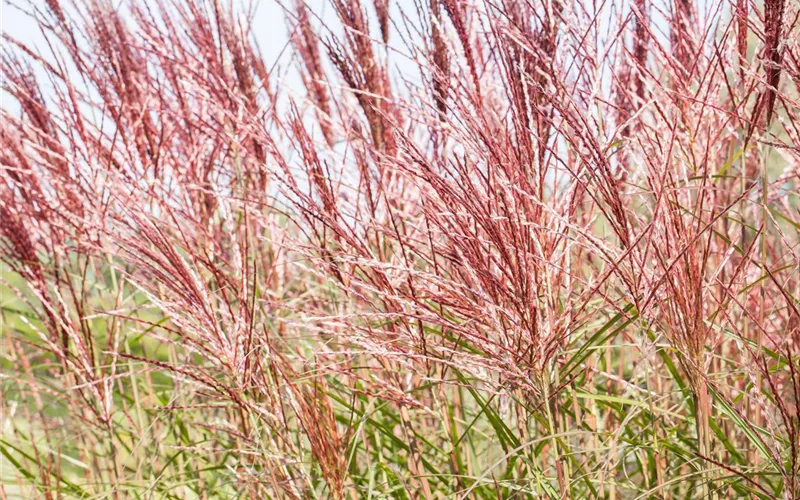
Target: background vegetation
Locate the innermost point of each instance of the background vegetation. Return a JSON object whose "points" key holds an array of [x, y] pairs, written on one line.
{"points": [[493, 249]]}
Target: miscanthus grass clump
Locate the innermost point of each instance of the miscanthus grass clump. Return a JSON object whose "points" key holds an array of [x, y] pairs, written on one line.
{"points": [[491, 249]]}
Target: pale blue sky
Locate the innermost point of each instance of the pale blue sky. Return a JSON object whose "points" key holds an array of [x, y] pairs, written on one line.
{"points": [[268, 23], [268, 26]]}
